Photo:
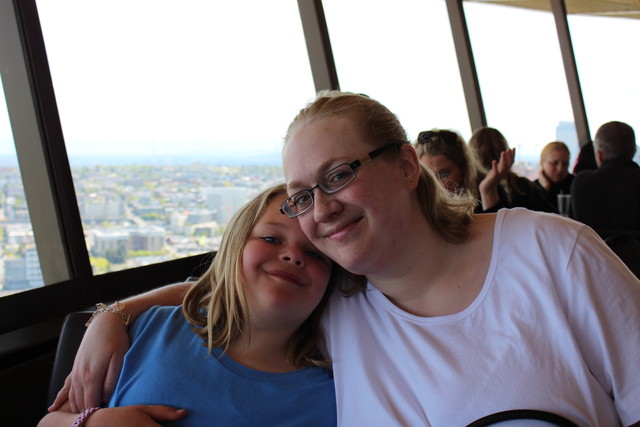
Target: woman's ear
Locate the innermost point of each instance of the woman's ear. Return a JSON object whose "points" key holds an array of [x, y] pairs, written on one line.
{"points": [[410, 165]]}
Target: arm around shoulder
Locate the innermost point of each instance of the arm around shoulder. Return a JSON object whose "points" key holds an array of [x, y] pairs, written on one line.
{"points": [[98, 362], [134, 415]]}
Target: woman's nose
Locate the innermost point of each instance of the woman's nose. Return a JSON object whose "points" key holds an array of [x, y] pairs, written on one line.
{"points": [[325, 206]]}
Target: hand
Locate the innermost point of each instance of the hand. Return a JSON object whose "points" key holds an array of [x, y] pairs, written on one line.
{"points": [[543, 180], [97, 365], [499, 170], [135, 415]]}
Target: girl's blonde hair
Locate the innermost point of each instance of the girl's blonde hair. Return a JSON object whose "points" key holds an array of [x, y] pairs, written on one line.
{"points": [[216, 304], [447, 214]]}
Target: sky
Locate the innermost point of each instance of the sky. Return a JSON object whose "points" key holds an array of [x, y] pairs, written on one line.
{"points": [[204, 77]]}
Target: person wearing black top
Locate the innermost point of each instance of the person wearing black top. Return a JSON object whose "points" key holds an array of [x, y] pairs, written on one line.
{"points": [[459, 171], [489, 143], [608, 198], [554, 177]]}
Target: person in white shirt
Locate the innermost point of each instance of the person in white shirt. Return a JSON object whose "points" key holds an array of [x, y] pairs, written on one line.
{"points": [[463, 315]]}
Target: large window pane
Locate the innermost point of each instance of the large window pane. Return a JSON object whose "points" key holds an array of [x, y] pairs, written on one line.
{"points": [[19, 264], [522, 79], [173, 115], [402, 54], [608, 61]]}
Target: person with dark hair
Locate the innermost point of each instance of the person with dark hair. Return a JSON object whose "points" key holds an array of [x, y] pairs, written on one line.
{"points": [[457, 168], [608, 198], [586, 159], [488, 143]]}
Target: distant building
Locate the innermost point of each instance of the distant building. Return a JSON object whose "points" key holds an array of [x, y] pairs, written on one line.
{"points": [[200, 217], [23, 273], [109, 240], [566, 132], [148, 239], [225, 201], [18, 234], [102, 208]]}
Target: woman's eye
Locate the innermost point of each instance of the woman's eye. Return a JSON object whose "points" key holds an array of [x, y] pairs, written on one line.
{"points": [[301, 199], [338, 177], [442, 174]]}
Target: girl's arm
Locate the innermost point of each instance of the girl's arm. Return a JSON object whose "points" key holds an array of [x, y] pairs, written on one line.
{"points": [[134, 415], [98, 361]]}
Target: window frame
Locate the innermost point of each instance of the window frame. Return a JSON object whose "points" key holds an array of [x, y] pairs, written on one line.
{"points": [[70, 283]]}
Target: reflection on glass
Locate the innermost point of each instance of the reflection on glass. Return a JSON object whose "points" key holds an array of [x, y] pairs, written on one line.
{"points": [[608, 61], [19, 266], [402, 56], [522, 79], [173, 116]]}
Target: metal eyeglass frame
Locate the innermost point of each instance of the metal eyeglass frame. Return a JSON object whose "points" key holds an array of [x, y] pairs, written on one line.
{"points": [[286, 206]]}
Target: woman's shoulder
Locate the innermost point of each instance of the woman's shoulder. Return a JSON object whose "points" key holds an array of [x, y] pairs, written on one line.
{"points": [[539, 225]]}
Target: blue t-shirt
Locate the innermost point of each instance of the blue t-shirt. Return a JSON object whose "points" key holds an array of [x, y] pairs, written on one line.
{"points": [[167, 364]]}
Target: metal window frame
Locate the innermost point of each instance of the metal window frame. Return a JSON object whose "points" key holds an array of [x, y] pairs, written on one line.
{"points": [[49, 186]]}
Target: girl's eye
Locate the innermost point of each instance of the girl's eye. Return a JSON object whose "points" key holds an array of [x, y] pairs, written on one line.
{"points": [[271, 239], [314, 254]]}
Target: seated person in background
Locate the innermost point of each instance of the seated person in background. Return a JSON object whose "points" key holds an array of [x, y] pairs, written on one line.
{"points": [[244, 348], [608, 198], [488, 143], [586, 159], [458, 169], [554, 177]]}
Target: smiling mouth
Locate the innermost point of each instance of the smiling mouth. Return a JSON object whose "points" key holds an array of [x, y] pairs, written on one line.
{"points": [[341, 231], [287, 277]]}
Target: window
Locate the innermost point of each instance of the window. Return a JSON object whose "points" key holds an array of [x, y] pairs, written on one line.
{"points": [[608, 61], [522, 79], [403, 56], [173, 116], [19, 263]]}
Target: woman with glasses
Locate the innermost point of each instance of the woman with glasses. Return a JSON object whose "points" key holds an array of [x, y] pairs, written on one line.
{"points": [[463, 316], [458, 169]]}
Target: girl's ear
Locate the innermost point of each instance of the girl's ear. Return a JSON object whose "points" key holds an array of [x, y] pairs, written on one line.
{"points": [[410, 165]]}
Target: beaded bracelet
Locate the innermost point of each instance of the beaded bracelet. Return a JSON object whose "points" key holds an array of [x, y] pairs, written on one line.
{"points": [[117, 308], [84, 416]]}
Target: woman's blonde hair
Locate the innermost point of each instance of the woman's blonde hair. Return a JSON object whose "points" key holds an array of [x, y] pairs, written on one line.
{"points": [[216, 303], [447, 214], [553, 146]]}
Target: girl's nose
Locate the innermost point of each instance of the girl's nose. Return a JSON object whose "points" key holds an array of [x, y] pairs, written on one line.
{"points": [[293, 255]]}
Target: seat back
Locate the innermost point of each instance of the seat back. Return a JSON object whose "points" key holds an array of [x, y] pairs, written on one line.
{"points": [[627, 247], [70, 337]]}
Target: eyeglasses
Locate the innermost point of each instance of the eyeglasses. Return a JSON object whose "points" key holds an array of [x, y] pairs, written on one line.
{"points": [[331, 182]]}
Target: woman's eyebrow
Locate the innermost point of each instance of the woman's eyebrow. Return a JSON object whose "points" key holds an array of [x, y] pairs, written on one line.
{"points": [[324, 167]]}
